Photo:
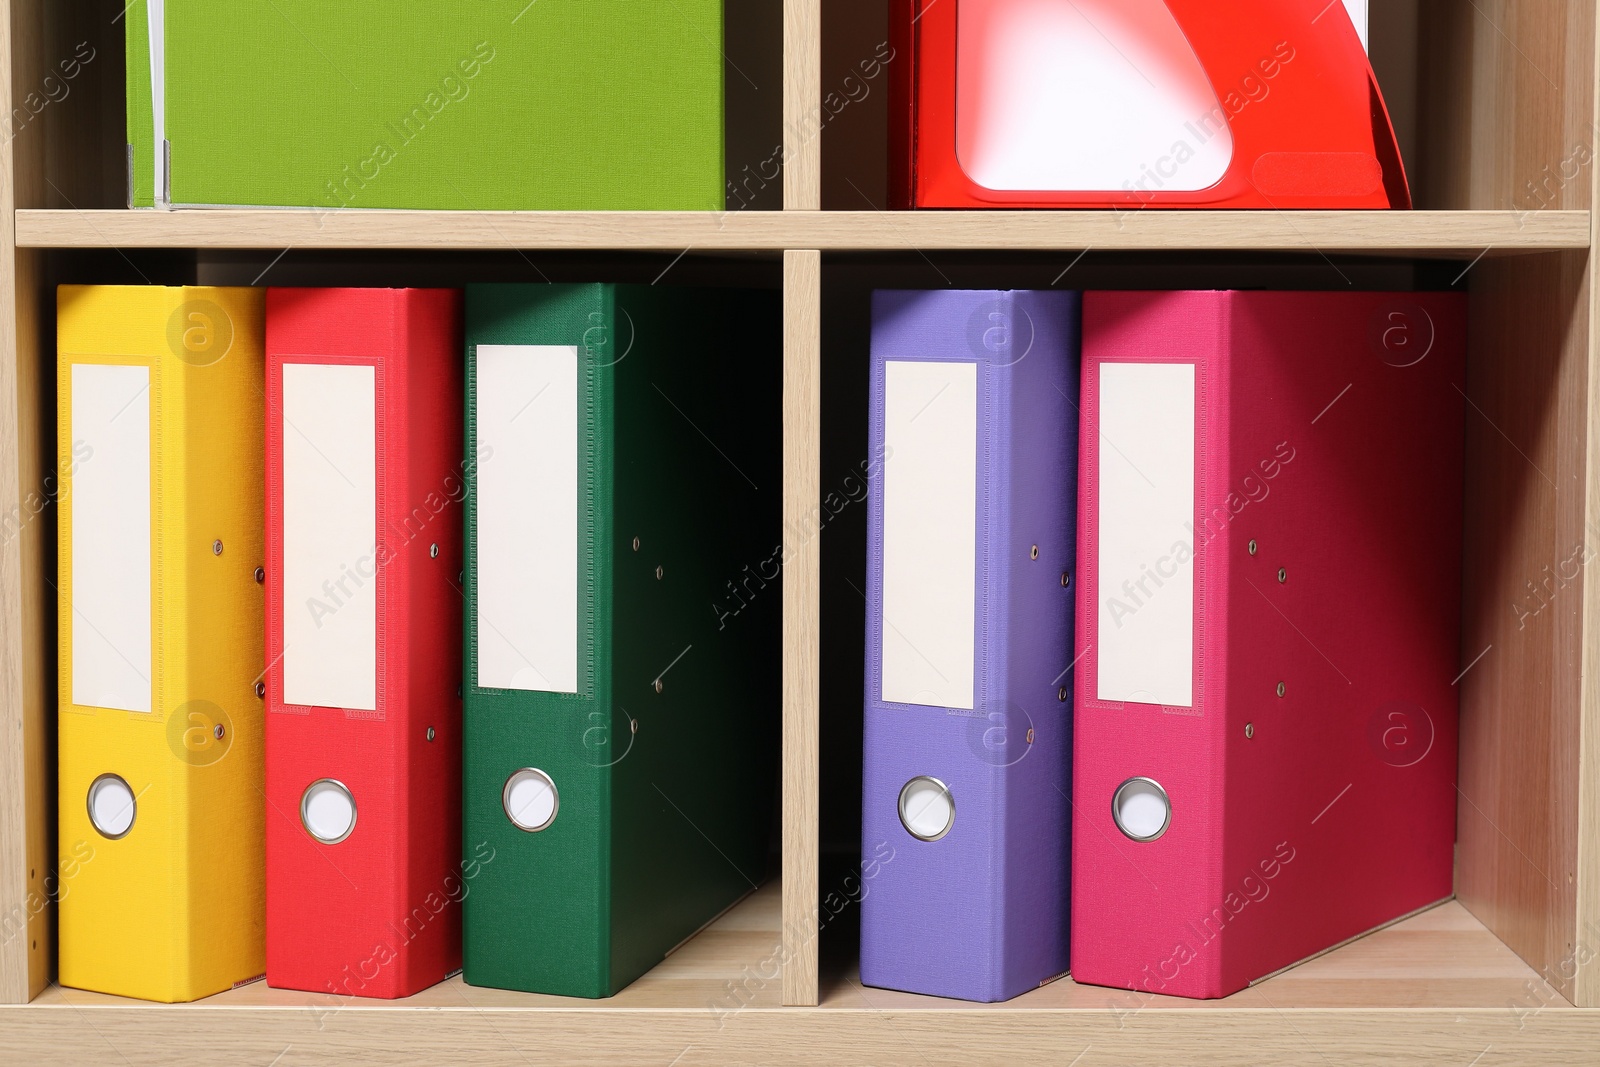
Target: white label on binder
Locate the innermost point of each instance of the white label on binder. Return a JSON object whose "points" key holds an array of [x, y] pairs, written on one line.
{"points": [[110, 501], [1146, 567], [330, 535], [1100, 95], [527, 517], [930, 503]]}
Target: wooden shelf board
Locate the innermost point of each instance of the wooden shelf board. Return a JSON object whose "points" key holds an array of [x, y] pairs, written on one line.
{"points": [[1450, 234], [1437, 988], [1441, 957], [691, 978]]}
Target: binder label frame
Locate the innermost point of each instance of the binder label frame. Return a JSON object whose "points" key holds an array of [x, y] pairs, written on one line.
{"points": [[930, 533], [330, 535], [111, 584], [527, 408], [1145, 565]]}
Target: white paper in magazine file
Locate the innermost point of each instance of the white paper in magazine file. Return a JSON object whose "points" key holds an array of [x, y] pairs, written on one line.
{"points": [[1039, 80]]}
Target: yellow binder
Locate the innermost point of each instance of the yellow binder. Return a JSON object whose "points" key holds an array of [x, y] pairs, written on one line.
{"points": [[160, 532]]}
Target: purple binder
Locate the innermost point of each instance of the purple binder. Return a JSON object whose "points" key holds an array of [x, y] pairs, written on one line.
{"points": [[971, 542]]}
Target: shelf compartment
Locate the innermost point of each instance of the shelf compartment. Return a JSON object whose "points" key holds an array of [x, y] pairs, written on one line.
{"points": [[1520, 865], [1437, 958], [1449, 234], [1436, 988], [693, 976]]}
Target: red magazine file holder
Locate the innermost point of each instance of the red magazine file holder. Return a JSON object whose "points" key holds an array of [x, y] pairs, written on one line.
{"points": [[1289, 79]]}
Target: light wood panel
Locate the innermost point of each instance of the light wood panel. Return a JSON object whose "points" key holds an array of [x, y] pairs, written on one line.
{"points": [[1527, 435], [27, 847], [723, 969], [1514, 87], [357, 1037], [1462, 991], [802, 512], [1461, 235], [1441, 956], [802, 105], [1505, 104], [1586, 921]]}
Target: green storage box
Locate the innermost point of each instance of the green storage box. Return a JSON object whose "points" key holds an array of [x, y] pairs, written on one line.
{"points": [[459, 104]]}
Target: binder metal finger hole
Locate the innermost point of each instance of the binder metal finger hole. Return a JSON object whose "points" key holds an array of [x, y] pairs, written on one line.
{"points": [[328, 811], [927, 810], [531, 799], [1141, 809], [112, 806]]}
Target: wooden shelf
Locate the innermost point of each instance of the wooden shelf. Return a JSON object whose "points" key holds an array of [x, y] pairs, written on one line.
{"points": [[1461, 990], [691, 978], [1451, 234], [1496, 102], [1440, 958]]}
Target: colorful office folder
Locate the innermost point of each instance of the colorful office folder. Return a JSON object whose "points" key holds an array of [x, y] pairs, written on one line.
{"points": [[1269, 561], [1137, 103], [622, 685], [160, 535], [604, 104], [969, 635], [364, 484]]}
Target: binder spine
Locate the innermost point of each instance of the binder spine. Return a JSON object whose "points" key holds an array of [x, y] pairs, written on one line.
{"points": [[171, 908], [538, 916], [930, 805], [1000, 754], [363, 441], [1150, 689]]}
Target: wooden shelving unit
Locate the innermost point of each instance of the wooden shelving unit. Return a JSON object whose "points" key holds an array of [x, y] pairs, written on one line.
{"points": [[1497, 103], [1410, 233]]}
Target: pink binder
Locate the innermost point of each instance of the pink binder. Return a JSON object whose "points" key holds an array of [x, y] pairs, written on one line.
{"points": [[1268, 628]]}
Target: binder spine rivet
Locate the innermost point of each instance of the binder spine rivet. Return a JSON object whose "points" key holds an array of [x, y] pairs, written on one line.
{"points": [[1249, 730], [112, 805], [1061, 694], [1141, 809], [261, 575], [261, 689], [433, 551], [217, 731], [660, 574], [1030, 734], [430, 733], [1283, 575], [1035, 553], [216, 548], [530, 799], [1252, 546], [636, 544], [1281, 689], [659, 686], [1066, 580]]}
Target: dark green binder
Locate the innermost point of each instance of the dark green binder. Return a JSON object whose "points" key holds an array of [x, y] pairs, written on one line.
{"points": [[655, 715]]}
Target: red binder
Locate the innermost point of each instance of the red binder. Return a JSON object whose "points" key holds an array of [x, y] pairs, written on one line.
{"points": [[364, 484], [1268, 628], [1137, 103]]}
